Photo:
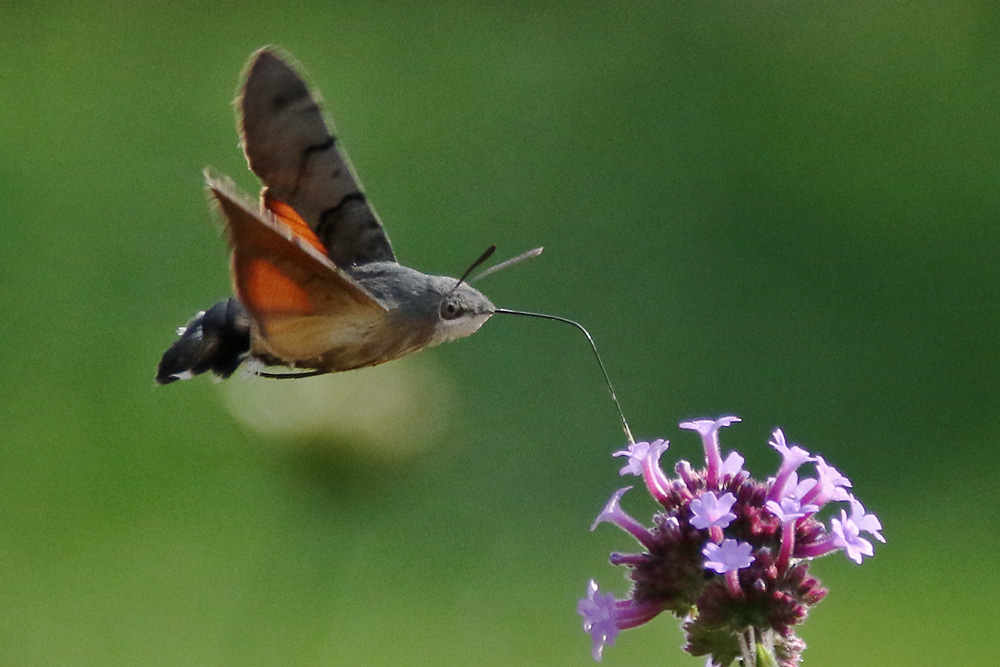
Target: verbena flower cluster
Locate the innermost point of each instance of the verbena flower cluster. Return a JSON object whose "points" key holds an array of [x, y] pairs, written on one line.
{"points": [[728, 554]]}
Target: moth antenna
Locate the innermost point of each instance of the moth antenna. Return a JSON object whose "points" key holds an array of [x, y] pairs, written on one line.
{"points": [[472, 267], [534, 252], [593, 346]]}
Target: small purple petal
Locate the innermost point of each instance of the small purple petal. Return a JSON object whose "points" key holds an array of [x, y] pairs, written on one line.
{"points": [[599, 612], [732, 465], [797, 489], [789, 509], [709, 510], [657, 482], [847, 536], [830, 485], [831, 474], [692, 480], [612, 509], [792, 457], [792, 487], [866, 523], [728, 556], [708, 429], [636, 453], [613, 513], [708, 426]]}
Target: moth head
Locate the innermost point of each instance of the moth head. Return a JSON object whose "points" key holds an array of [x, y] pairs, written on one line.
{"points": [[461, 311]]}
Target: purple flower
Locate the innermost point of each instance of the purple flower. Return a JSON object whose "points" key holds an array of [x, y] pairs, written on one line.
{"points": [[598, 611], [830, 485], [709, 511], [709, 431], [866, 523], [613, 513], [637, 453], [792, 457], [728, 556], [747, 582], [644, 460], [604, 616], [789, 509], [847, 536]]}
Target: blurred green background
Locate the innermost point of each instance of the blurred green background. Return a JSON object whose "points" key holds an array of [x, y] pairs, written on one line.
{"points": [[782, 210]]}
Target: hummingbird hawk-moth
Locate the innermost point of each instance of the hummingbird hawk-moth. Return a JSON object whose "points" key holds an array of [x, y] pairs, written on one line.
{"points": [[316, 283]]}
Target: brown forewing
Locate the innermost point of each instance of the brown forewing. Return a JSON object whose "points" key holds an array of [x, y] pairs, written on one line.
{"points": [[302, 306]]}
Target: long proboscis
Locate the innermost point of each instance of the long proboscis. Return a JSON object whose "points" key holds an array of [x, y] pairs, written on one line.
{"points": [[597, 355]]}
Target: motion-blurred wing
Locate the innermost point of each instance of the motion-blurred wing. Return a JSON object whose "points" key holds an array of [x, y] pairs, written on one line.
{"points": [[300, 303], [290, 148]]}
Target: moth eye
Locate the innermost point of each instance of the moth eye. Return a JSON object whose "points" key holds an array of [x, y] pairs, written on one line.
{"points": [[450, 310]]}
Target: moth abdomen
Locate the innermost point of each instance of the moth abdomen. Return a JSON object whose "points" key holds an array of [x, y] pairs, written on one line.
{"points": [[216, 340]]}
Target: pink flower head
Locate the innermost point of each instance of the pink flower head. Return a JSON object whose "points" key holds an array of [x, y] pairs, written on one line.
{"points": [[753, 562]]}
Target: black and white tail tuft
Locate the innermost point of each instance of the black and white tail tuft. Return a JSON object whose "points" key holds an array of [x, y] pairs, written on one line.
{"points": [[216, 340]]}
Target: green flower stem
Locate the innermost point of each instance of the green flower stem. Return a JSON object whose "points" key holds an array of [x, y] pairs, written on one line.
{"points": [[765, 656]]}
